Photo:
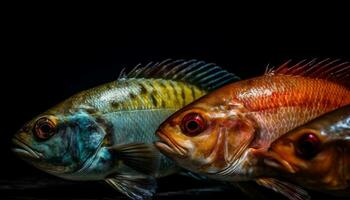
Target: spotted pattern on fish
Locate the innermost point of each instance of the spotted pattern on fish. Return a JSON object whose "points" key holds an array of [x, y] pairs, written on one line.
{"points": [[137, 94]]}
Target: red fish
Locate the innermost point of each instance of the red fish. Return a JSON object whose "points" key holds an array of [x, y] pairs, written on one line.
{"points": [[219, 134]]}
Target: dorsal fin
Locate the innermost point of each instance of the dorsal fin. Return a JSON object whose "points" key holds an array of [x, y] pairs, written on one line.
{"points": [[333, 70], [208, 76]]}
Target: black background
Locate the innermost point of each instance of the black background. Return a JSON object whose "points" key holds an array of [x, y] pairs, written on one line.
{"points": [[47, 64]]}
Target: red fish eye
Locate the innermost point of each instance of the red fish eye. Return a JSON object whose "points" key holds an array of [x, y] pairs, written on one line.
{"points": [[44, 128], [193, 124], [308, 146]]}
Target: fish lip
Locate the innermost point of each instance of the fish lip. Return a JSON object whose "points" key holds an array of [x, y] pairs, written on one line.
{"points": [[169, 146], [23, 149], [283, 162]]}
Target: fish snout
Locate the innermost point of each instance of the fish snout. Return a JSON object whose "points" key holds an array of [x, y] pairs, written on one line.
{"points": [[169, 146], [24, 151]]}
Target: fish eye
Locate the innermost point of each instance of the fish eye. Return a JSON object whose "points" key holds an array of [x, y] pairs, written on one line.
{"points": [[308, 146], [44, 128], [193, 124]]}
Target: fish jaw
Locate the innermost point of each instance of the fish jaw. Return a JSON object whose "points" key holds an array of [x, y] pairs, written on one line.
{"points": [[24, 151], [176, 152], [273, 161], [170, 147], [34, 157]]}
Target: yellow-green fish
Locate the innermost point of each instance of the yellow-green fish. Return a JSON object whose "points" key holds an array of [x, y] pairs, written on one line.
{"points": [[107, 132]]}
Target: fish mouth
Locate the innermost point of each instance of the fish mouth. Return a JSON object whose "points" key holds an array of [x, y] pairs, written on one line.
{"points": [[169, 146], [275, 160], [23, 150]]}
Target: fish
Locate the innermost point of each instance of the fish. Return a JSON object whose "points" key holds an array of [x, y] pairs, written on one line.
{"points": [[315, 155], [218, 135], [107, 132]]}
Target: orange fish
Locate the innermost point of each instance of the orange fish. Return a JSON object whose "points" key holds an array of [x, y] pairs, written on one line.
{"points": [[219, 134], [315, 155]]}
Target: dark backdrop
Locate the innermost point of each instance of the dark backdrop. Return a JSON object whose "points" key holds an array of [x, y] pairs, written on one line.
{"points": [[48, 65]]}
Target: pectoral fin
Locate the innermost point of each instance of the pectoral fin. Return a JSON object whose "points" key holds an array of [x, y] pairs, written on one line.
{"points": [[289, 190], [135, 187], [141, 157]]}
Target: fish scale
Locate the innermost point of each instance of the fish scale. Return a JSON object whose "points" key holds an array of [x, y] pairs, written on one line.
{"points": [[281, 97]]}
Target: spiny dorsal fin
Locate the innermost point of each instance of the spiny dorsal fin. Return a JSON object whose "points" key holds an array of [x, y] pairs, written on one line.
{"points": [[333, 70], [208, 76]]}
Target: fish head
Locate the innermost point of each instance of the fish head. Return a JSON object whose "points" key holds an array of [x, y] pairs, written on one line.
{"points": [[315, 147], [207, 135], [59, 143], [311, 157], [302, 149]]}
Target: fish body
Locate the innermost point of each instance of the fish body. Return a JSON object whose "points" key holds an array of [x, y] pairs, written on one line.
{"points": [[315, 155], [219, 134], [106, 133]]}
